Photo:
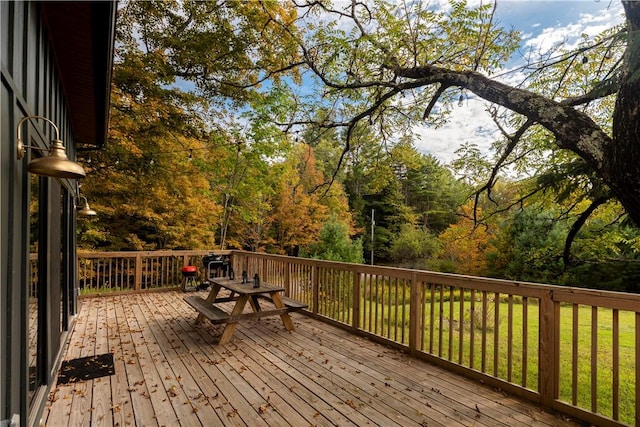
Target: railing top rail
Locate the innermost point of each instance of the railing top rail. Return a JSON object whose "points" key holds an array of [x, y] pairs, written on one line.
{"points": [[129, 254]]}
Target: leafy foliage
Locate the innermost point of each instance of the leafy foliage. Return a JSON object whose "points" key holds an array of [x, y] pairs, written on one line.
{"points": [[530, 248], [335, 244], [212, 144], [413, 247]]}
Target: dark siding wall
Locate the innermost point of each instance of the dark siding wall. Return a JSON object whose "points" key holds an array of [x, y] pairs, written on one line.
{"points": [[30, 86], [6, 354]]}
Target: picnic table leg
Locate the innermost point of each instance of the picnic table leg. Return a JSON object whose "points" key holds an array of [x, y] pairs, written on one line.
{"points": [[231, 326], [254, 303], [210, 298], [286, 319]]}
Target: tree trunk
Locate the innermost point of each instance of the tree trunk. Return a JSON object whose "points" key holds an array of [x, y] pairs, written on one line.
{"points": [[622, 155]]}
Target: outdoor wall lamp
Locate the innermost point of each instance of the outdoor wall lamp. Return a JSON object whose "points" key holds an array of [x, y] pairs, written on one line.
{"points": [[83, 208], [56, 164]]}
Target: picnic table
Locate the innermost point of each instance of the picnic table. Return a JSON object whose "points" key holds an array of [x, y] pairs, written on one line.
{"points": [[242, 293]]}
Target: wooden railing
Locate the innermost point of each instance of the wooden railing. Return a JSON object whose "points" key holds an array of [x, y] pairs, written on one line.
{"points": [[108, 272], [574, 350]]}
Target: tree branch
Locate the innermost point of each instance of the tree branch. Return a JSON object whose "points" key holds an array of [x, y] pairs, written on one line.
{"points": [[573, 129], [577, 225]]}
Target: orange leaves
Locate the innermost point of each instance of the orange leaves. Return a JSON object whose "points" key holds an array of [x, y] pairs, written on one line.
{"points": [[466, 245]]}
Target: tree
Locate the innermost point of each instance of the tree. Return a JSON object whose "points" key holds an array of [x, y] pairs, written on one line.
{"points": [[224, 49], [298, 211], [414, 247], [172, 171], [390, 51], [529, 247], [334, 243], [148, 192], [430, 189], [465, 246]]}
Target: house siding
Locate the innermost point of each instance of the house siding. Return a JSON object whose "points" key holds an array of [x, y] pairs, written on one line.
{"points": [[31, 85]]}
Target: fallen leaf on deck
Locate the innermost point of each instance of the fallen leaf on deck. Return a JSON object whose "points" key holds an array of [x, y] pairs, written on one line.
{"points": [[264, 408]]}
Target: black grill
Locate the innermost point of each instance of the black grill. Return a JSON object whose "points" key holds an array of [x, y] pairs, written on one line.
{"points": [[216, 265]]}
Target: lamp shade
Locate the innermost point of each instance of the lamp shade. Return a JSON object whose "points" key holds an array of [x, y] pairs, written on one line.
{"points": [[56, 164], [85, 210]]}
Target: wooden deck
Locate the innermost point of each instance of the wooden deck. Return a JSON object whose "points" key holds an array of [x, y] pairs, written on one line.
{"points": [[171, 372]]}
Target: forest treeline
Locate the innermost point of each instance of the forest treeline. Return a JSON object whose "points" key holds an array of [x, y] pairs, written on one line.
{"points": [[201, 154]]}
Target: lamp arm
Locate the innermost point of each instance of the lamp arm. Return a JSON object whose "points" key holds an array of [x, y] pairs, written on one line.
{"points": [[21, 147], [80, 198]]}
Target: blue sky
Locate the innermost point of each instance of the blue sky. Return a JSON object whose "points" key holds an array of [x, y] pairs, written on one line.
{"points": [[542, 24]]}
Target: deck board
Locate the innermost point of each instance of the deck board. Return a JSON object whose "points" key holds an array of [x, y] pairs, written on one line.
{"points": [[83, 391], [102, 413], [172, 372], [121, 345]]}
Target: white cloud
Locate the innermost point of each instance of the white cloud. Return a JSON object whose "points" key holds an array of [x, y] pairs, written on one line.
{"points": [[570, 33], [467, 124]]}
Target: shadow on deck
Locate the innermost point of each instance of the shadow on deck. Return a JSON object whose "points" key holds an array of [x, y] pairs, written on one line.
{"points": [[170, 372]]}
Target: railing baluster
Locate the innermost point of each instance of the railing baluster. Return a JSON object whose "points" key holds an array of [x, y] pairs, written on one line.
{"points": [[416, 314], [138, 277], [461, 328], [356, 300], [316, 287], [423, 305], [510, 339], [396, 304], [483, 359], [472, 329], [574, 353], [615, 383], [451, 319], [404, 285], [384, 323], [432, 309], [496, 332], [594, 359], [369, 280], [440, 317], [377, 304], [525, 340], [637, 367]]}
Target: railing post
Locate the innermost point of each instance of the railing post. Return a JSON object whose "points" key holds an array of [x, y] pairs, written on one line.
{"points": [[315, 277], [356, 300], [415, 314], [138, 280], [549, 359]]}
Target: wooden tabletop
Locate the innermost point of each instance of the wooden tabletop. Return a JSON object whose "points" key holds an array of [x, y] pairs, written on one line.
{"points": [[237, 286]]}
